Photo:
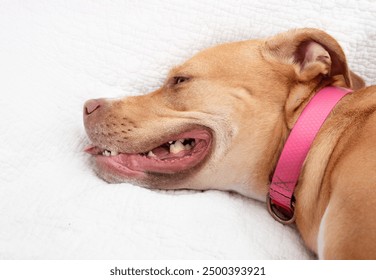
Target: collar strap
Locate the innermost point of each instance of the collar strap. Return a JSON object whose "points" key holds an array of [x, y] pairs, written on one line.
{"points": [[280, 201]]}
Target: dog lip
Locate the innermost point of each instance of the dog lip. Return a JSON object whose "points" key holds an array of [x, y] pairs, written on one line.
{"points": [[92, 149], [196, 134], [130, 164]]}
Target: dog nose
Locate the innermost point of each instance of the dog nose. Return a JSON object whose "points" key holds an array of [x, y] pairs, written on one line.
{"points": [[92, 105]]}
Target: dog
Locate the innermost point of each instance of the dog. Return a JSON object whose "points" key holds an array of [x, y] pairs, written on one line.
{"points": [[221, 120]]}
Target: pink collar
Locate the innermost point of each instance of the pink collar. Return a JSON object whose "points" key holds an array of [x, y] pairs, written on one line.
{"points": [[281, 202]]}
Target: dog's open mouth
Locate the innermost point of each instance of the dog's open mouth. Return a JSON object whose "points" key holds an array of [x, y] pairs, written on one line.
{"points": [[178, 153]]}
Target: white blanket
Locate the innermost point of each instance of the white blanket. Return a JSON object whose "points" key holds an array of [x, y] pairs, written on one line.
{"points": [[54, 55]]}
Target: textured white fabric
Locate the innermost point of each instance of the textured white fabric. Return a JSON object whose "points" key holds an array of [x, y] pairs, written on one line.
{"points": [[56, 54]]}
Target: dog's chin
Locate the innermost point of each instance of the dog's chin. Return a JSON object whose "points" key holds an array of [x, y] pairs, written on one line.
{"points": [[178, 157]]}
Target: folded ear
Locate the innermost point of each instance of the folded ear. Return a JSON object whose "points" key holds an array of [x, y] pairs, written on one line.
{"points": [[356, 81], [311, 52]]}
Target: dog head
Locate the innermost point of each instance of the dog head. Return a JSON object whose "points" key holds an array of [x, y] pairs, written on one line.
{"points": [[220, 119]]}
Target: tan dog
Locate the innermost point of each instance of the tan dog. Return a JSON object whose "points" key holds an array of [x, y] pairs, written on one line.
{"points": [[220, 122]]}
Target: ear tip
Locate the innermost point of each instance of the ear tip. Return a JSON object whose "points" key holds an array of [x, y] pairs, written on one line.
{"points": [[349, 82], [347, 76]]}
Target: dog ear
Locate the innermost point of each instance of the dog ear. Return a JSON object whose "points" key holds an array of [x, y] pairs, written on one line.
{"points": [[311, 52], [356, 81]]}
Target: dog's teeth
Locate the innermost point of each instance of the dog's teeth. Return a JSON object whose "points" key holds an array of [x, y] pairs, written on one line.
{"points": [[187, 147], [193, 143], [151, 154], [170, 142], [177, 147], [108, 153]]}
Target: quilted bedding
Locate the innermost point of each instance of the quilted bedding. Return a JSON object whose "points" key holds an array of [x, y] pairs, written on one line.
{"points": [[56, 54]]}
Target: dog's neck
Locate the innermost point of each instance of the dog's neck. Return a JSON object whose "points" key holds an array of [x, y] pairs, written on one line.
{"points": [[298, 98], [295, 151]]}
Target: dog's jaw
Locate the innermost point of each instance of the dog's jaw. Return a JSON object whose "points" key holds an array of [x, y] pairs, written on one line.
{"points": [[177, 154]]}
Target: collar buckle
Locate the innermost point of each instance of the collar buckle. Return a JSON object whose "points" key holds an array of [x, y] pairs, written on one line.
{"points": [[281, 214]]}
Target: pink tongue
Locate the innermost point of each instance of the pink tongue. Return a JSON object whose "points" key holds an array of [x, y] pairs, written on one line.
{"points": [[160, 152], [164, 161], [163, 153]]}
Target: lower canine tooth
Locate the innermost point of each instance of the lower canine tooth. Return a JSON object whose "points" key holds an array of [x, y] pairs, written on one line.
{"points": [[106, 153], [151, 154]]}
